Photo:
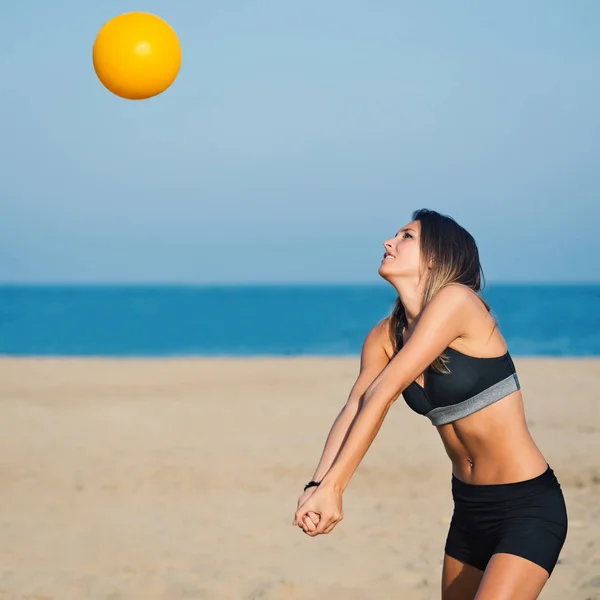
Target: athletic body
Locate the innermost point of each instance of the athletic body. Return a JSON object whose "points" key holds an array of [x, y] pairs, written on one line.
{"points": [[442, 350]]}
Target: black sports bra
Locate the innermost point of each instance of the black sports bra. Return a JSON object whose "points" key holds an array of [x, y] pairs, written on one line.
{"points": [[472, 384]]}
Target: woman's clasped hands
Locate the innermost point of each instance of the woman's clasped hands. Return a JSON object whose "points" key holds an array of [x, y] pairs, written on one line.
{"points": [[319, 510]]}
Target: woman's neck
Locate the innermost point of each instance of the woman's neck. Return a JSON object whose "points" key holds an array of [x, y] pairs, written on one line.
{"points": [[411, 296]]}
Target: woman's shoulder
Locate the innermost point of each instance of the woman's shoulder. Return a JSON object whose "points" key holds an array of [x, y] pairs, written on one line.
{"points": [[460, 291], [379, 337], [454, 311], [479, 330], [454, 295]]}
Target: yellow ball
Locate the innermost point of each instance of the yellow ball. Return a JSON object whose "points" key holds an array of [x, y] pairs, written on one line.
{"points": [[137, 55]]}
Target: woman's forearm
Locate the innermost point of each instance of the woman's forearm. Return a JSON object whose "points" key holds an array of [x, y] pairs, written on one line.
{"points": [[373, 361], [336, 438], [361, 435]]}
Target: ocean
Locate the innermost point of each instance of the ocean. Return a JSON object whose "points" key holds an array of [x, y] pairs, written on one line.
{"points": [[265, 320]]}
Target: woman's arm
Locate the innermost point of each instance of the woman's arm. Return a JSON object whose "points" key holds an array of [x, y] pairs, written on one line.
{"points": [[444, 319], [372, 362]]}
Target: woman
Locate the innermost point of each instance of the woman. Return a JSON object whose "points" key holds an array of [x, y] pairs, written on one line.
{"points": [[441, 349]]}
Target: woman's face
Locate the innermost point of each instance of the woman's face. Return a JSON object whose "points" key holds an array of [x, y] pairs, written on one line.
{"points": [[402, 258]]}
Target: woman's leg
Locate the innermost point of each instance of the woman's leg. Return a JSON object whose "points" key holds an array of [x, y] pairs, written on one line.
{"points": [[510, 577], [522, 526], [460, 581]]}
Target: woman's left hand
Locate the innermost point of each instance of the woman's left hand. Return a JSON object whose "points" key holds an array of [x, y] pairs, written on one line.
{"points": [[325, 502]]}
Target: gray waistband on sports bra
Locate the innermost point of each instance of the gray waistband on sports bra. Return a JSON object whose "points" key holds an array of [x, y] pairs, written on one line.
{"points": [[447, 414]]}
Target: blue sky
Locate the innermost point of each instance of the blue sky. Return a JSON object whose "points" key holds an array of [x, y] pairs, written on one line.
{"points": [[297, 137]]}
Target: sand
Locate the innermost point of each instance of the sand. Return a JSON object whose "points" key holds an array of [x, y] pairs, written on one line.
{"points": [[178, 479]]}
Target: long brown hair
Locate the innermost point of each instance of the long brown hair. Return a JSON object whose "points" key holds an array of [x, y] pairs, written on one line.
{"points": [[454, 258]]}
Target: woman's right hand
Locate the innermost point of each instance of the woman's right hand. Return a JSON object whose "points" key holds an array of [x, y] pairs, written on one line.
{"points": [[311, 519]]}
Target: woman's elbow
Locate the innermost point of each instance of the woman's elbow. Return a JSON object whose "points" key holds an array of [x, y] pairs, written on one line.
{"points": [[384, 395]]}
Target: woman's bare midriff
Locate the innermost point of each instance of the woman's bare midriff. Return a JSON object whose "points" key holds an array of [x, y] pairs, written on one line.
{"points": [[493, 445]]}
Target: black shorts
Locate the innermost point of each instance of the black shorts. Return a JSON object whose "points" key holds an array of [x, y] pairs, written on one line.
{"points": [[526, 518]]}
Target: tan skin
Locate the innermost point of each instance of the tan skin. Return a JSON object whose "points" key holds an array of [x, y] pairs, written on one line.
{"points": [[491, 446]]}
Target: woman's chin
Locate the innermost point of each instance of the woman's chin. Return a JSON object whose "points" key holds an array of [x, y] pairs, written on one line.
{"points": [[383, 272], [387, 272]]}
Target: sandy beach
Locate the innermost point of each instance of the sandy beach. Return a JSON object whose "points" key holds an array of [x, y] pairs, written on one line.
{"points": [[178, 479]]}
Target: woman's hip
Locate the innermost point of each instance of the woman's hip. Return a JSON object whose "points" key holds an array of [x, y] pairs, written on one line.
{"points": [[490, 508]]}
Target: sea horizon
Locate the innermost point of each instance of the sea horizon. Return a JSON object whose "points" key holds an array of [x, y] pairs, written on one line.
{"points": [[267, 319]]}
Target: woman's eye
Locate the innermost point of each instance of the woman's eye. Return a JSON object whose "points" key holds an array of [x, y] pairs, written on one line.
{"points": [[407, 235]]}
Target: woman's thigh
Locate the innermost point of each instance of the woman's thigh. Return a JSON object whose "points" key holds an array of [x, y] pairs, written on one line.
{"points": [[460, 581], [510, 577]]}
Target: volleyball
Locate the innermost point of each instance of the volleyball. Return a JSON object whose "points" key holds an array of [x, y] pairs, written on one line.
{"points": [[137, 55]]}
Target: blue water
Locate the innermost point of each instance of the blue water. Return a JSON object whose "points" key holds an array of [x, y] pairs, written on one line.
{"points": [[267, 320]]}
